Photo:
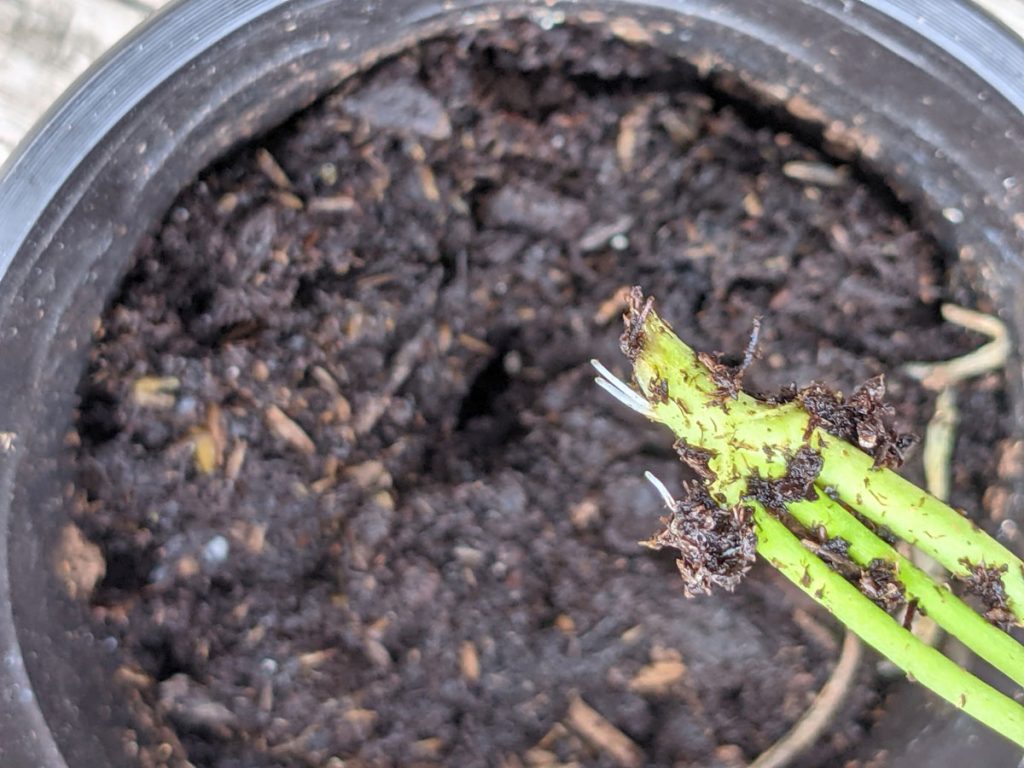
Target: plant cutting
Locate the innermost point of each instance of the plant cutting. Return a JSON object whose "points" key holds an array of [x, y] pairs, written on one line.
{"points": [[806, 480]]}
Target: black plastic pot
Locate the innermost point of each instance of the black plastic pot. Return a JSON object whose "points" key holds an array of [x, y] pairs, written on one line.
{"points": [[929, 94]]}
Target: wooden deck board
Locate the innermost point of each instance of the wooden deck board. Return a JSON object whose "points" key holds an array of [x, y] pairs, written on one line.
{"points": [[45, 44]]}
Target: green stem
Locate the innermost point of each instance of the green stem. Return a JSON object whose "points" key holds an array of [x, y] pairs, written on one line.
{"points": [[730, 438], [918, 518], [939, 603], [877, 628], [743, 435]]}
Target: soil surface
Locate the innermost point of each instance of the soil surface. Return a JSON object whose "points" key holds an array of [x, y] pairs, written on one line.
{"points": [[358, 499]]}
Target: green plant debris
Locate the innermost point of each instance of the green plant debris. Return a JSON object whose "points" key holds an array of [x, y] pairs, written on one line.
{"points": [[806, 480]]}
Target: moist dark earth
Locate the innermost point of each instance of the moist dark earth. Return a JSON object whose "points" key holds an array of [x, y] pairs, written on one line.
{"points": [[359, 499]]}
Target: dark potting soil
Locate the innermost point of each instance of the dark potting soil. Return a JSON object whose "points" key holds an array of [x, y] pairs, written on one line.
{"points": [[358, 498]]}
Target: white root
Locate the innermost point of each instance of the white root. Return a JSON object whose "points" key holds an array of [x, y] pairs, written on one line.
{"points": [[621, 391], [660, 487]]}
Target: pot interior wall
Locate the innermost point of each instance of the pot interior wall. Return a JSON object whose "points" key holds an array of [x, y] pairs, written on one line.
{"points": [[840, 74]]}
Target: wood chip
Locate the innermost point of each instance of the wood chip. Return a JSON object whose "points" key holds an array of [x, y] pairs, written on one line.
{"points": [[272, 169], [630, 127], [204, 451], [364, 718], [290, 200], [333, 204], [313, 659], [681, 130], [218, 429], [584, 513], [402, 365], [428, 182], [133, 677], [629, 29], [564, 623], [632, 634], [227, 203], [658, 677], [329, 476], [473, 344], [286, 429], [612, 307], [189, 706], [469, 661], [6, 441], [377, 653], [601, 734], [326, 380], [444, 337], [156, 392], [428, 747], [235, 460], [752, 205], [818, 174], [342, 409], [537, 757], [369, 474], [599, 235], [79, 563], [255, 538]]}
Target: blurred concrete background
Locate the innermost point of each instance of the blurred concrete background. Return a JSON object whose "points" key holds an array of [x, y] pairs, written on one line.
{"points": [[45, 44]]}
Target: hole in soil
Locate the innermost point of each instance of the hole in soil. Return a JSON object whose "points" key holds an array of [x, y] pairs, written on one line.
{"points": [[128, 569], [98, 420], [418, 515], [487, 389]]}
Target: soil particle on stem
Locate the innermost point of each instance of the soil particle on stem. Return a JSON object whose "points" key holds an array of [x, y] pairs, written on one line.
{"points": [[879, 583], [863, 419], [986, 583], [797, 484], [717, 546], [403, 458]]}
